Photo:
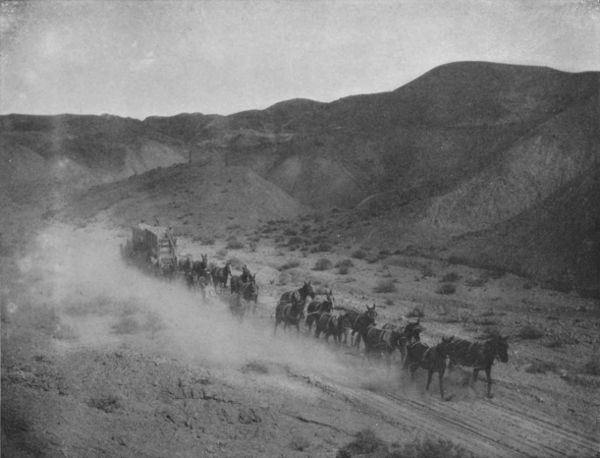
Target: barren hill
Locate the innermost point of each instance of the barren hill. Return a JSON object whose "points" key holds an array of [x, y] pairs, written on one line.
{"points": [[451, 157], [196, 200], [81, 150]]}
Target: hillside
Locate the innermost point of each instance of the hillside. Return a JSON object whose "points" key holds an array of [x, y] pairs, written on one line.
{"points": [[459, 154], [81, 150], [195, 200]]}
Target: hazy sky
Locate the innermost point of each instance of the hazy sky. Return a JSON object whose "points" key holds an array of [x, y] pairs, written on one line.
{"points": [[140, 58]]}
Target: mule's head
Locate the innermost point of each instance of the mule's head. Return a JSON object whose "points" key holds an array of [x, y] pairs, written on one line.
{"points": [[307, 290], [371, 314], [445, 345]]}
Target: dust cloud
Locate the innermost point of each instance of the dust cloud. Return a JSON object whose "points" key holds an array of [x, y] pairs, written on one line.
{"points": [[80, 273]]}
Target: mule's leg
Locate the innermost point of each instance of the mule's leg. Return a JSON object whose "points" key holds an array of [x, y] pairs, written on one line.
{"points": [[475, 374], [429, 375], [441, 378], [488, 373]]}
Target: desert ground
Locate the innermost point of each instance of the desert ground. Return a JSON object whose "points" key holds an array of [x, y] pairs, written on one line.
{"points": [[102, 359]]}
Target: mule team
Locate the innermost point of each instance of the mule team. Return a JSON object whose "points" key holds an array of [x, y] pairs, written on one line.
{"points": [[342, 322], [339, 322]]}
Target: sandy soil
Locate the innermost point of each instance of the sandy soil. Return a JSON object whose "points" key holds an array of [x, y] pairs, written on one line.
{"points": [[99, 359]]}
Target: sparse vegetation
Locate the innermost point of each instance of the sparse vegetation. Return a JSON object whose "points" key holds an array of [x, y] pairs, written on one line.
{"points": [[592, 366], [427, 271], [290, 264], [359, 254], [450, 277], [234, 244], [446, 288], [321, 247], [299, 443], [385, 286], [108, 403], [530, 332], [323, 264], [366, 443], [475, 282]]}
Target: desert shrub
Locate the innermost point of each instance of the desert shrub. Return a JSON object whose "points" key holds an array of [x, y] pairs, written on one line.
{"points": [[290, 264], [450, 277], [126, 325], [540, 367], [321, 247], [323, 264], [234, 244], [416, 312], [495, 274], [427, 271], [343, 270], [530, 332], [527, 285], [592, 366], [372, 258], [446, 288], [290, 231], [221, 253], [365, 442], [476, 281], [558, 285], [385, 286], [208, 241], [589, 293], [295, 241], [486, 321], [253, 246], [108, 403], [431, 448], [359, 254], [345, 263], [383, 254], [299, 443]]}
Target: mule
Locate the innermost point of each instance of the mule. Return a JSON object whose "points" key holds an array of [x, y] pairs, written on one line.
{"points": [[249, 291], [356, 322], [479, 355], [315, 308], [432, 359], [383, 342], [219, 276], [290, 308], [330, 325], [409, 334]]}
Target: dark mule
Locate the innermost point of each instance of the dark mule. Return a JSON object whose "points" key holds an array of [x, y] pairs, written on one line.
{"points": [[357, 323], [409, 334], [235, 284], [290, 308], [315, 308], [249, 291], [433, 359], [382, 342], [330, 325], [219, 275], [479, 356]]}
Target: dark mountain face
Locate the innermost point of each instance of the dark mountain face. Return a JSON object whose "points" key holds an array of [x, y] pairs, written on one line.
{"points": [[446, 160]]}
